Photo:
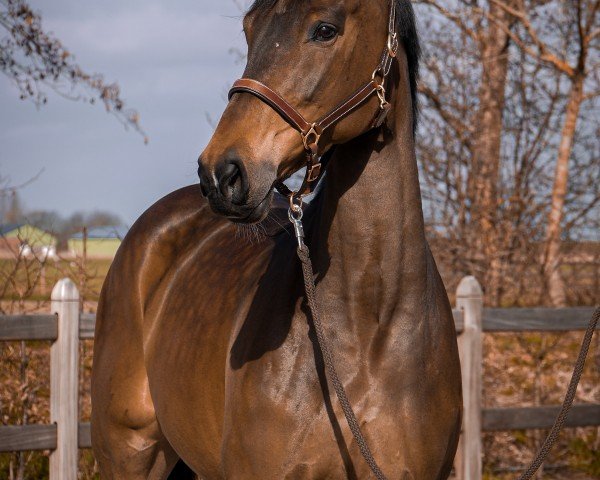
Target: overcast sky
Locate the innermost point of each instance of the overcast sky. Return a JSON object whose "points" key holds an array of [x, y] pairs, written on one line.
{"points": [[172, 62]]}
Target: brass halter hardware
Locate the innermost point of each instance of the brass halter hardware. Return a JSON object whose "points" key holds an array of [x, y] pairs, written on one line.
{"points": [[311, 131], [313, 172], [311, 138], [392, 44], [381, 95]]}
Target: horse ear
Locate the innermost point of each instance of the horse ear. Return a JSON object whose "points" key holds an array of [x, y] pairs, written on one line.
{"points": [[261, 5]]}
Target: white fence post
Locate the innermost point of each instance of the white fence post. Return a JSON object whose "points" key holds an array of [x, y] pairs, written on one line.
{"points": [[469, 298], [64, 385]]}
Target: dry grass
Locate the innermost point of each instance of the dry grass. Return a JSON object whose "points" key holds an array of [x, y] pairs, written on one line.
{"points": [[520, 370], [535, 369]]}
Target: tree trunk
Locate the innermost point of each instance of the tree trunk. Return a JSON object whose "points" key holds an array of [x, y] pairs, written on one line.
{"points": [[554, 281], [483, 181]]}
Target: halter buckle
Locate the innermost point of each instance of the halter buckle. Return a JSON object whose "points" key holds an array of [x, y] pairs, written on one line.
{"points": [[383, 103], [384, 107], [392, 44]]}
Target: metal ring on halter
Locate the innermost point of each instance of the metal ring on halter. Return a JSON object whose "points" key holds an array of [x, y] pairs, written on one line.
{"points": [[378, 72], [295, 216], [307, 138]]}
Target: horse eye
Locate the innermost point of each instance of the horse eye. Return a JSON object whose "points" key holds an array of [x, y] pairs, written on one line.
{"points": [[325, 32]]}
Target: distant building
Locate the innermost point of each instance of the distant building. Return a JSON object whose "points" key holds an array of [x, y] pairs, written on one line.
{"points": [[27, 240], [102, 242]]}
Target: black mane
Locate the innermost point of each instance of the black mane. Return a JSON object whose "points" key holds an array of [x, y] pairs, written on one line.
{"points": [[407, 30]]}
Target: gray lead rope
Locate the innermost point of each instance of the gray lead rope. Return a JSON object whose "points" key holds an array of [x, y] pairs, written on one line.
{"points": [[295, 215]]}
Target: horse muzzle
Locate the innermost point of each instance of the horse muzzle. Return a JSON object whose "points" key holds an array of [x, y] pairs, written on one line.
{"points": [[228, 192]]}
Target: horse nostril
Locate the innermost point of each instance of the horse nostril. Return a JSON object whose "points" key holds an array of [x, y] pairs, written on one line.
{"points": [[232, 180], [204, 180], [229, 175]]}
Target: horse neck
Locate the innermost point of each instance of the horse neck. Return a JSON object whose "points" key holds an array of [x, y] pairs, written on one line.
{"points": [[370, 237]]}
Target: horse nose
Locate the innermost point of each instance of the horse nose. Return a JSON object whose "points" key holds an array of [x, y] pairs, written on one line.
{"points": [[205, 179], [232, 181], [228, 184]]}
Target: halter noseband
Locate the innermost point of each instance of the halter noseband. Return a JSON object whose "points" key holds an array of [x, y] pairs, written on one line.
{"points": [[311, 131]]}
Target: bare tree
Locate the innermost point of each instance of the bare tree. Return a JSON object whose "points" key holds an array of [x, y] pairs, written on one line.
{"points": [[493, 118], [483, 45], [570, 49], [489, 187], [32, 58]]}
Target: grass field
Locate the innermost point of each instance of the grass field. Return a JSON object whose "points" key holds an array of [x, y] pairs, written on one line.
{"points": [[26, 282]]}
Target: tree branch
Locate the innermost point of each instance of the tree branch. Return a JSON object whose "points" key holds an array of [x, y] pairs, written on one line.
{"points": [[30, 57]]}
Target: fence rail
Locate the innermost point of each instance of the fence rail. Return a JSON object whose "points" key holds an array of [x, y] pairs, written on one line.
{"points": [[66, 326], [16, 438]]}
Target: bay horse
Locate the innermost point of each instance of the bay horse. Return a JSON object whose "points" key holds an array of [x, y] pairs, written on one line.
{"points": [[205, 356]]}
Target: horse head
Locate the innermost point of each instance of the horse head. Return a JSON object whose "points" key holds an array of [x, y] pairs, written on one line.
{"points": [[314, 55]]}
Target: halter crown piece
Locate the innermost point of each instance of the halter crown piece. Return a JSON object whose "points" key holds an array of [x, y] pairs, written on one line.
{"points": [[311, 131]]}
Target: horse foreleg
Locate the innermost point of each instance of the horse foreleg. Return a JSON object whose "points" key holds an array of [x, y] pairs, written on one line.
{"points": [[127, 440], [126, 437]]}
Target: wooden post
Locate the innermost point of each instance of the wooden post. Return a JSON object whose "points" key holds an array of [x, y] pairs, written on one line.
{"points": [[469, 298], [64, 385]]}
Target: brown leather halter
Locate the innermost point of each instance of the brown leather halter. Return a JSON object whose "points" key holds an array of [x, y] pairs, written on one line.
{"points": [[311, 131]]}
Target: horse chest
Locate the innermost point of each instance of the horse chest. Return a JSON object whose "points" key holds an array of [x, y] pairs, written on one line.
{"points": [[280, 417], [239, 387], [256, 401]]}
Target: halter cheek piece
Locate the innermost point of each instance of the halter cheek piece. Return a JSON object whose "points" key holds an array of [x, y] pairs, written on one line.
{"points": [[311, 131]]}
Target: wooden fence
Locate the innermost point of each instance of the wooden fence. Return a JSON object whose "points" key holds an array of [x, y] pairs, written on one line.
{"points": [[477, 320], [65, 326]]}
